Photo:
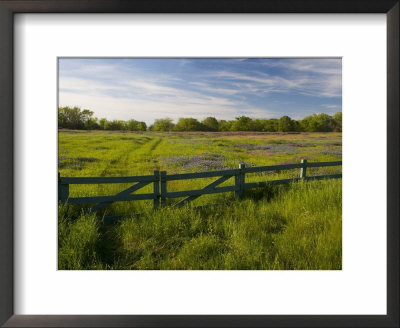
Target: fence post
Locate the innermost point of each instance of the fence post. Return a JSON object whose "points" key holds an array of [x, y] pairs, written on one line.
{"points": [[242, 178], [63, 190], [163, 179], [156, 189], [303, 170], [239, 181]]}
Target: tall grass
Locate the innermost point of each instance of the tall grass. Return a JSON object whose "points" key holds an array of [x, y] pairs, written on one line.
{"points": [[77, 240], [295, 227]]}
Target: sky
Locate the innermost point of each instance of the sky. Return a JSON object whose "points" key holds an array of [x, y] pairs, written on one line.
{"points": [[148, 88]]}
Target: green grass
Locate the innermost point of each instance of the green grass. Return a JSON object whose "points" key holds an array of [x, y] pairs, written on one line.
{"points": [[77, 240], [296, 227]]}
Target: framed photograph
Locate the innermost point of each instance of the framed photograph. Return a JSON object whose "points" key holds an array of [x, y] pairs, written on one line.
{"points": [[224, 180], [185, 162]]}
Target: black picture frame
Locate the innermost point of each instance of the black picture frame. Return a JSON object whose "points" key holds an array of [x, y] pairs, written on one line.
{"points": [[7, 10]]}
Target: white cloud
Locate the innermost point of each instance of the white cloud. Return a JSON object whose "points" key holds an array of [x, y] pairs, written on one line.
{"points": [[332, 106], [151, 95], [147, 110], [86, 85], [328, 85], [207, 88], [315, 65], [152, 88]]}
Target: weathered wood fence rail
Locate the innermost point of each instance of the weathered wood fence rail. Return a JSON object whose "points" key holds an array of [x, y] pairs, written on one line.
{"points": [[159, 181]]}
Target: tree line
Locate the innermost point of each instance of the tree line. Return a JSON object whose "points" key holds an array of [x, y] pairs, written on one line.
{"points": [[75, 118]]}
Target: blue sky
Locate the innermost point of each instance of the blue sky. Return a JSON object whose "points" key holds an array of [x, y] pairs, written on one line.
{"points": [[146, 89]]}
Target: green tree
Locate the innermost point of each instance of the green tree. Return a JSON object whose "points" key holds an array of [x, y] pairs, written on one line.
{"points": [[163, 124], [338, 121], [257, 125], [188, 124], [92, 124], [271, 125], [318, 123], [309, 124], [142, 126], [71, 117], [86, 115], [325, 122], [133, 125], [211, 123], [242, 123], [285, 124], [296, 126], [225, 125], [116, 125], [102, 123]]}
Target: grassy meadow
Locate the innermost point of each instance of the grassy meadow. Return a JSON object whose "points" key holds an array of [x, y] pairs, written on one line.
{"points": [[292, 227]]}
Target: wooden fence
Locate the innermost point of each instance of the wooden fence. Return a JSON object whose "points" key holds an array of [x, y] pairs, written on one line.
{"points": [[159, 180]]}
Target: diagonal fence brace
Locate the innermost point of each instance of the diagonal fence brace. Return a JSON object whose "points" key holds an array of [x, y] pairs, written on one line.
{"points": [[125, 192], [211, 186]]}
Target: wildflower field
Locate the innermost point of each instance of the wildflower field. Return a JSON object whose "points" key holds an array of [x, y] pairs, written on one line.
{"points": [[291, 227]]}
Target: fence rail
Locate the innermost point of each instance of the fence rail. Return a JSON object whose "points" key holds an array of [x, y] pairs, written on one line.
{"points": [[160, 180]]}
